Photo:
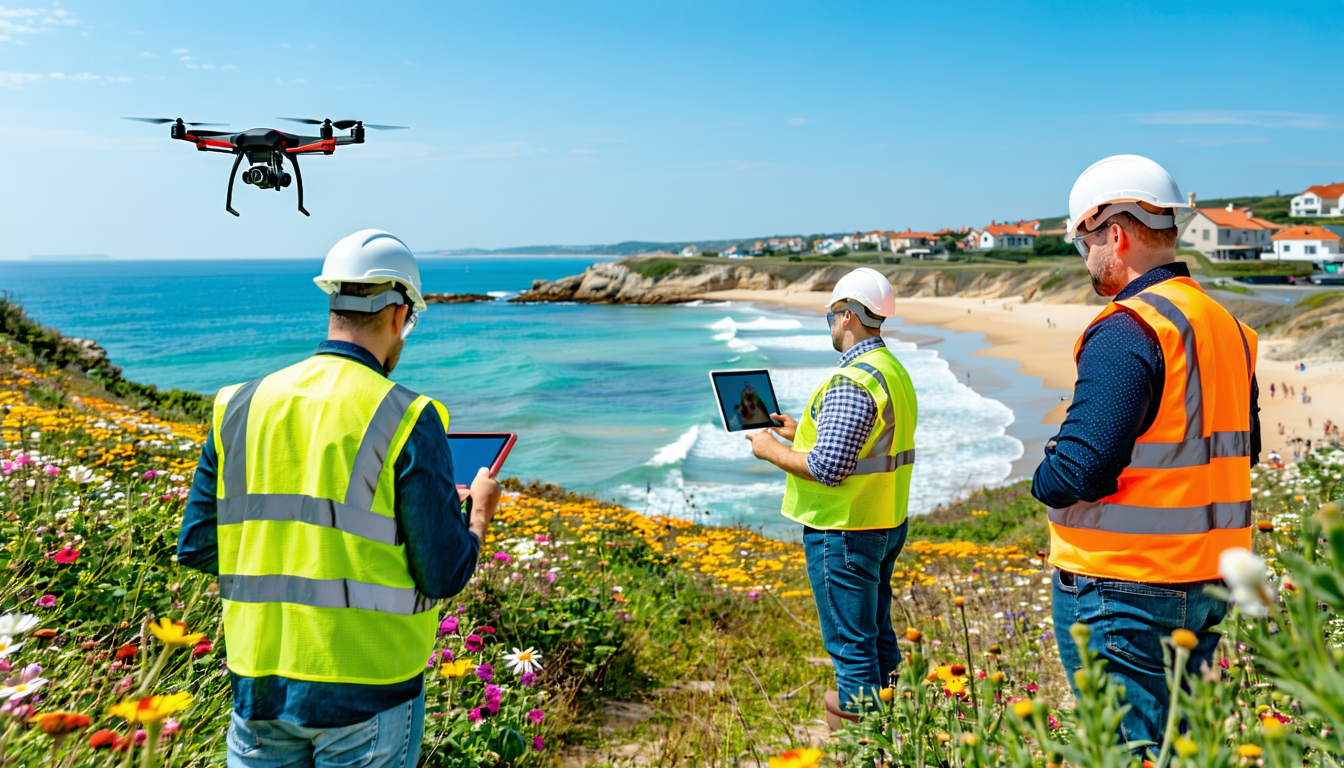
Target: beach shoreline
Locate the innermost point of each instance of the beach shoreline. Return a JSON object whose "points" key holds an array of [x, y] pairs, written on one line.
{"points": [[1019, 332]]}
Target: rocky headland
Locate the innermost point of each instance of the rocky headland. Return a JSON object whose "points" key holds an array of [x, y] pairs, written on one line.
{"points": [[456, 298]]}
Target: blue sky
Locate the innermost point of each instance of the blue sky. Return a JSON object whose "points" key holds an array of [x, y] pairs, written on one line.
{"points": [[575, 123]]}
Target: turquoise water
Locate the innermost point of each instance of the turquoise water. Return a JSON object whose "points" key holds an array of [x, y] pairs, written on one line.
{"points": [[611, 400]]}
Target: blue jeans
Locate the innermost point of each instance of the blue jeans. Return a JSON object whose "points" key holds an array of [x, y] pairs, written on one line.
{"points": [[390, 739], [850, 572], [1128, 621]]}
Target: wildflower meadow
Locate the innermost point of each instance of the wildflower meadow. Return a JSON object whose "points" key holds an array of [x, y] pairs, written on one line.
{"points": [[599, 635]]}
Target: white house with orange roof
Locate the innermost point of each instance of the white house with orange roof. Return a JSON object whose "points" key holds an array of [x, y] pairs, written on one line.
{"points": [[1305, 243], [1229, 234], [1320, 200], [688, 251], [1020, 235]]}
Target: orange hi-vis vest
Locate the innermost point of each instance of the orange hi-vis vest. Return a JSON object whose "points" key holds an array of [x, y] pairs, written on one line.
{"points": [[1186, 495]]}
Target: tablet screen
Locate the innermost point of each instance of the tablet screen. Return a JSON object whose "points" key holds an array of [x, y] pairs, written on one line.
{"points": [[472, 451], [746, 399]]}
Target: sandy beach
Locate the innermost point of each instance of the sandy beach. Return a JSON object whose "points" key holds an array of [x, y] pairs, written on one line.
{"points": [[1020, 332]]}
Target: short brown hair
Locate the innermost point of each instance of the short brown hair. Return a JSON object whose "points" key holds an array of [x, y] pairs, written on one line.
{"points": [[1153, 238], [352, 321]]}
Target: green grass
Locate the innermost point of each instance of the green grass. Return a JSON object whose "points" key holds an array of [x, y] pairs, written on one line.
{"points": [[1208, 268], [1232, 288], [1318, 300]]}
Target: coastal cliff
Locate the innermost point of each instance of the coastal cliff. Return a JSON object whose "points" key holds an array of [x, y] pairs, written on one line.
{"points": [[637, 281]]}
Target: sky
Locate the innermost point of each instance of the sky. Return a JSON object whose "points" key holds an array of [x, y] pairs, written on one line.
{"points": [[584, 123]]}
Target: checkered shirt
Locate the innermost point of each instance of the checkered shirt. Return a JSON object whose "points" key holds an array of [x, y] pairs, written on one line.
{"points": [[847, 416]]}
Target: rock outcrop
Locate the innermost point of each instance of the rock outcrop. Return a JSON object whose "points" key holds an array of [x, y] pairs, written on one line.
{"points": [[456, 298], [616, 283]]}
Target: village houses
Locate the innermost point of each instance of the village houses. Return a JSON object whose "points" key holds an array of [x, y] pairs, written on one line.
{"points": [[1320, 200], [1305, 243], [1020, 235], [1229, 234]]}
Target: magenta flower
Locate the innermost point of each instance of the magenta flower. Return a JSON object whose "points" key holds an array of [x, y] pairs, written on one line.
{"points": [[528, 679], [475, 715], [473, 643], [493, 692], [170, 727], [151, 474], [536, 716], [445, 655], [1052, 722], [754, 595], [448, 626], [51, 470], [485, 672], [538, 744], [549, 577], [64, 556], [502, 557], [543, 539], [46, 601]]}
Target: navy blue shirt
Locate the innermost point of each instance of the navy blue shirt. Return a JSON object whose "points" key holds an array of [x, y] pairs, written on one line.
{"points": [[441, 551], [1121, 372]]}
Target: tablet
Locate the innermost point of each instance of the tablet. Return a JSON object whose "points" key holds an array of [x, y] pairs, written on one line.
{"points": [[745, 398], [473, 450]]}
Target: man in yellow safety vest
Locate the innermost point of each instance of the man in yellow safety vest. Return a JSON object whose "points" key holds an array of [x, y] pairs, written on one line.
{"points": [[848, 484], [325, 502]]}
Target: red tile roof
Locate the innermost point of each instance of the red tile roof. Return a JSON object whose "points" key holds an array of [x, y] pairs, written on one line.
{"points": [[1327, 191], [1020, 228], [1306, 232], [1237, 218]]}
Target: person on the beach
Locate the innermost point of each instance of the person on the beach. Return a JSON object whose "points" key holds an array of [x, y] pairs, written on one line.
{"points": [[848, 484], [1148, 480], [325, 501]]}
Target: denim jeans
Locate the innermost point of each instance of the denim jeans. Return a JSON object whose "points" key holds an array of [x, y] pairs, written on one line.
{"points": [[390, 739], [850, 572], [1128, 621]]}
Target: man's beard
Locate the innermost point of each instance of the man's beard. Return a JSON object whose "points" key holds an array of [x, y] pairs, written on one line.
{"points": [[837, 338], [1106, 279], [393, 355]]}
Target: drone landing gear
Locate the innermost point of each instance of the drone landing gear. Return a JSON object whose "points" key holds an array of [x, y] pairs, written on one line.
{"points": [[298, 177], [228, 201]]}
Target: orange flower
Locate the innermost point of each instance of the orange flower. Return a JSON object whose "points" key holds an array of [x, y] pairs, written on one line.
{"points": [[59, 723]]}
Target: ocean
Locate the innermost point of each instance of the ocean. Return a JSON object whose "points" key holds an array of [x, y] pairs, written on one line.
{"points": [[609, 400]]}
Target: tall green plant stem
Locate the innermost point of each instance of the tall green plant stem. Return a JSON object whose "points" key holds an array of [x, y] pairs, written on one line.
{"points": [[1173, 715]]}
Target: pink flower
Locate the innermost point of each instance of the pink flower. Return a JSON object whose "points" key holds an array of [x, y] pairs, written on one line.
{"points": [[485, 672], [151, 474], [63, 556], [1223, 663], [475, 715], [473, 643], [753, 595], [202, 648], [140, 737], [549, 577], [448, 626], [1052, 722], [528, 679], [125, 684], [538, 744], [536, 716], [170, 727], [51, 470], [502, 557], [24, 460], [445, 655], [5, 666], [543, 539], [486, 629], [1031, 687], [46, 601]]}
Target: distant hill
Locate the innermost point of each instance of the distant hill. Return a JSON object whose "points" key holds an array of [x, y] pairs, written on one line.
{"points": [[1272, 207]]}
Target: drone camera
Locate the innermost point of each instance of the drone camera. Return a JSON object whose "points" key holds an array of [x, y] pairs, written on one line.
{"points": [[265, 177]]}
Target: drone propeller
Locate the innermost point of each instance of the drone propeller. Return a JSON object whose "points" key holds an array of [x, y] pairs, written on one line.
{"points": [[162, 120], [341, 125]]}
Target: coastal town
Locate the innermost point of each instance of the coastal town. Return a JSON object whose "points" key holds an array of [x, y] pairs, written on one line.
{"points": [[1308, 229]]}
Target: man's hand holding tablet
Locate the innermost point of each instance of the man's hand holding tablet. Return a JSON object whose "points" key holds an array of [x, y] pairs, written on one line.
{"points": [[484, 500]]}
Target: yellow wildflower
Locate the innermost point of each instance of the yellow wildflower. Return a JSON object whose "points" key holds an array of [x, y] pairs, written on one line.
{"points": [[174, 632], [797, 758], [457, 668], [150, 709]]}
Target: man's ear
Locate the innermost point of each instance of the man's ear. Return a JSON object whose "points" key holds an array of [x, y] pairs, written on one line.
{"points": [[1121, 238]]}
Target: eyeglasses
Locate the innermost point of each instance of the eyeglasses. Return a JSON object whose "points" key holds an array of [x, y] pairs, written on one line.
{"points": [[411, 319], [1083, 247]]}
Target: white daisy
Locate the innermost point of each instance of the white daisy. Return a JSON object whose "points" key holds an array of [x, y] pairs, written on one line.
{"points": [[522, 662], [17, 623], [8, 646], [22, 690]]}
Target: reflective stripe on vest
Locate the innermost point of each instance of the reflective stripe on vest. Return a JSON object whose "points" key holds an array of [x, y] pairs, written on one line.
{"points": [[876, 494], [323, 593], [1149, 530]]}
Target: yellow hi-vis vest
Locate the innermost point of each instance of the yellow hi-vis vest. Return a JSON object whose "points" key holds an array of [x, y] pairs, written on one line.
{"points": [[878, 493], [313, 577]]}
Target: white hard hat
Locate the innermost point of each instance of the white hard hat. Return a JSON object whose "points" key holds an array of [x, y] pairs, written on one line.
{"points": [[1109, 184], [868, 287], [370, 256]]}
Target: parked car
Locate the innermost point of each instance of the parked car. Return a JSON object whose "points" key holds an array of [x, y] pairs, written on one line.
{"points": [[1325, 278]]}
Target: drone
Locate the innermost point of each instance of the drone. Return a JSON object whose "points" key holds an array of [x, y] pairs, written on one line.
{"points": [[267, 148]]}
